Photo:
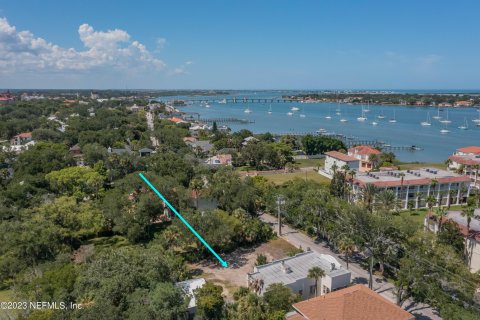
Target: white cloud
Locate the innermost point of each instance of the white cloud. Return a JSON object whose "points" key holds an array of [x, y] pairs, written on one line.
{"points": [[21, 51], [160, 43], [180, 70]]}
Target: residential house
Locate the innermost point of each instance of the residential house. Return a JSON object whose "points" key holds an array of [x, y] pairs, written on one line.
{"points": [[472, 236], [6, 97], [136, 108], [335, 160], [77, 155], [461, 104], [247, 140], [145, 152], [414, 186], [353, 303], [94, 95], [365, 154], [293, 273], [21, 139], [189, 140], [188, 288], [220, 160], [176, 120], [444, 105], [201, 146], [120, 151]]}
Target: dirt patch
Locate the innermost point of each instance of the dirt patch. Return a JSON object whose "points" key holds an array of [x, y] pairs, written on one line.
{"points": [[240, 262]]}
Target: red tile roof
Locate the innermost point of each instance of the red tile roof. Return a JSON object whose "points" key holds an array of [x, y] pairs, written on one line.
{"points": [[353, 303], [176, 120], [464, 160], [469, 149], [363, 150], [340, 156], [24, 135]]}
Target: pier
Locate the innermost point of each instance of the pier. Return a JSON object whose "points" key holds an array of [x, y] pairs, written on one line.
{"points": [[225, 120], [231, 100]]}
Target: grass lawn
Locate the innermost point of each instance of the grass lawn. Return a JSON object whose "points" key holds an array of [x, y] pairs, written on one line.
{"points": [[310, 162], [414, 217], [415, 165], [281, 178]]}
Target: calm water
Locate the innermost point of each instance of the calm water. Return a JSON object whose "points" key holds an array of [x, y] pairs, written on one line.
{"points": [[406, 131]]}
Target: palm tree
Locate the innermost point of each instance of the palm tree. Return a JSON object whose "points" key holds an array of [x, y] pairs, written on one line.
{"points": [[402, 176], [451, 195], [434, 184], [373, 158], [196, 184], [431, 201], [316, 273], [334, 167], [346, 246], [386, 201], [441, 212], [468, 212], [369, 192]]}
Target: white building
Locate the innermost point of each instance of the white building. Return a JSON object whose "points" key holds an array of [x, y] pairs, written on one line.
{"points": [[337, 159], [466, 160], [188, 287], [415, 186], [293, 273], [472, 236]]}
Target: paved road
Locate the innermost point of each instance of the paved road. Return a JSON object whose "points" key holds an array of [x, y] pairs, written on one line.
{"points": [[359, 275], [150, 116]]}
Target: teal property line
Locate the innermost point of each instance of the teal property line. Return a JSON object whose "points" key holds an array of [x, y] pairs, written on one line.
{"points": [[224, 263]]}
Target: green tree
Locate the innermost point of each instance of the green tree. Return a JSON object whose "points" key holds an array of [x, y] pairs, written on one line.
{"points": [[76, 181], [279, 298], [210, 303], [347, 247]]}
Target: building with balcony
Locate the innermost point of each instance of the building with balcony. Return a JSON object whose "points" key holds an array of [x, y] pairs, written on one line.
{"points": [[335, 160], [414, 186], [366, 156], [466, 161]]}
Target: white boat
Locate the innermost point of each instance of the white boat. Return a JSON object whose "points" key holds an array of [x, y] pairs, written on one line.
{"points": [[368, 108], [302, 115], [394, 119], [446, 120], [437, 117], [374, 123], [328, 117], [223, 101], [381, 116], [295, 108], [207, 105], [338, 111], [362, 117], [290, 113], [343, 120], [270, 110], [247, 110], [477, 121], [464, 126], [321, 130], [426, 123], [445, 130]]}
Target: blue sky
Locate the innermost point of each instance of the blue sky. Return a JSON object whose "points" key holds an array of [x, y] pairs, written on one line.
{"points": [[240, 44]]}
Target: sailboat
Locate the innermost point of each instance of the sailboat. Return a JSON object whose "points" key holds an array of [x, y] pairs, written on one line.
{"points": [[362, 117], [223, 101], [446, 120], [374, 123], [464, 126], [426, 123], [381, 116], [290, 113], [270, 110], [302, 115], [445, 130], [368, 107], [338, 110], [343, 120], [437, 117], [247, 110], [394, 119], [295, 108], [207, 105]]}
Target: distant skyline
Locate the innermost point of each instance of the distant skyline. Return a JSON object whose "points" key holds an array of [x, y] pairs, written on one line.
{"points": [[239, 44]]}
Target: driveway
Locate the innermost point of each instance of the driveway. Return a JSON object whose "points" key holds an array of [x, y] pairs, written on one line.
{"points": [[359, 275]]}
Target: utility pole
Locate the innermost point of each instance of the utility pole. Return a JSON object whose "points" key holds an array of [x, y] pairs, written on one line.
{"points": [[280, 201]]}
